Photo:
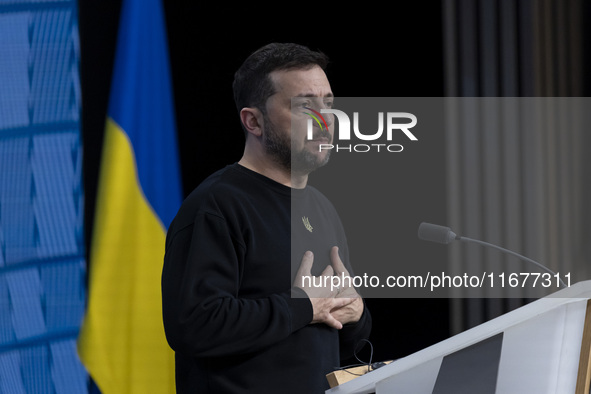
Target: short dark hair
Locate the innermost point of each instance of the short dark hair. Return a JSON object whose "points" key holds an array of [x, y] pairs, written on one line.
{"points": [[252, 85]]}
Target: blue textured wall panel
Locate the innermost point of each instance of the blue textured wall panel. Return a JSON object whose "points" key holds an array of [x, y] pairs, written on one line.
{"points": [[11, 381], [42, 267], [67, 372], [56, 184], [16, 187], [14, 63], [24, 288]]}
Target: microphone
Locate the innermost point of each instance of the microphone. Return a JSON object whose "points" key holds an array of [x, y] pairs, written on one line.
{"points": [[444, 235], [436, 233]]}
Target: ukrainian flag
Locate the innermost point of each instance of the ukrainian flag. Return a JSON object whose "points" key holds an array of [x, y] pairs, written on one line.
{"points": [[122, 342]]}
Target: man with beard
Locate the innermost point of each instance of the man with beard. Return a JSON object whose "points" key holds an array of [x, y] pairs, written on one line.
{"points": [[238, 314]]}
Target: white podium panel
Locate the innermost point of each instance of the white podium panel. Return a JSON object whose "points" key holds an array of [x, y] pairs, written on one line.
{"points": [[533, 349]]}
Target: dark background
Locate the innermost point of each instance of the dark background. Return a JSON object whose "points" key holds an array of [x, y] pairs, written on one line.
{"points": [[375, 51]]}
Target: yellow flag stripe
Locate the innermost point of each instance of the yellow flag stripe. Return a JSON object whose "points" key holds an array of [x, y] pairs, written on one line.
{"points": [[122, 341]]}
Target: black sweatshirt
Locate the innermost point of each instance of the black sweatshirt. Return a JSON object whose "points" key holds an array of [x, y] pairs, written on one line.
{"points": [[230, 312]]}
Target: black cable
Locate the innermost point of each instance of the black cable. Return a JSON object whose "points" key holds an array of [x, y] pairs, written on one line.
{"points": [[362, 363]]}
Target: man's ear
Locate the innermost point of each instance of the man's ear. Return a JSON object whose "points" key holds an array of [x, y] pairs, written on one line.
{"points": [[252, 119]]}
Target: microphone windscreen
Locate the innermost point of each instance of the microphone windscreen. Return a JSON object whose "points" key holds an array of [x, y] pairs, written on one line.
{"points": [[436, 233]]}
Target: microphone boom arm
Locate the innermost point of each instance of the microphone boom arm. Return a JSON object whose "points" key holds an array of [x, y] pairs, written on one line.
{"points": [[466, 239]]}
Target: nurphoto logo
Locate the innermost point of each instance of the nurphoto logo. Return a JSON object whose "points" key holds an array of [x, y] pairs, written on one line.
{"points": [[393, 127]]}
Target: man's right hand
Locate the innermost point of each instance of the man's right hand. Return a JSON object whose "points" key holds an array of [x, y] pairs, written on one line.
{"points": [[322, 297]]}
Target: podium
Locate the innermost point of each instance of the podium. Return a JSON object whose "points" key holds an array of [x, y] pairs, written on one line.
{"points": [[542, 347]]}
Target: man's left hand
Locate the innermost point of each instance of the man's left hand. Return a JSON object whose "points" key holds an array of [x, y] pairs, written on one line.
{"points": [[351, 312]]}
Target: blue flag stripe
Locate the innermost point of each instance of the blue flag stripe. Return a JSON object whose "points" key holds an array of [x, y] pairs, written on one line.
{"points": [[142, 104]]}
